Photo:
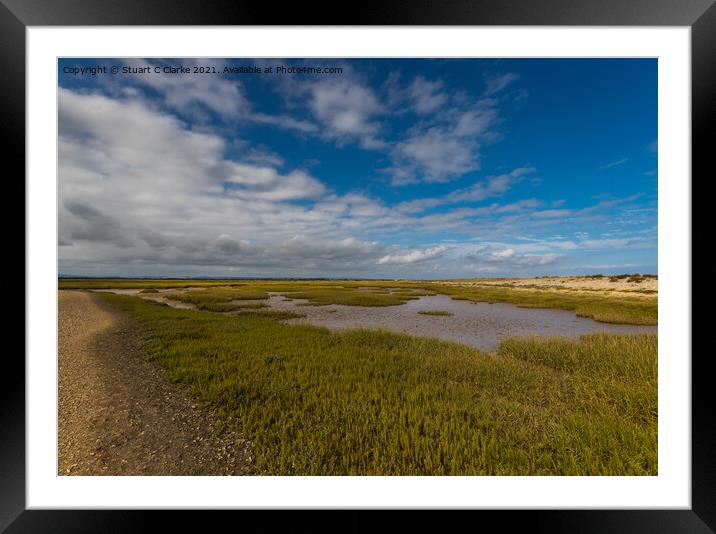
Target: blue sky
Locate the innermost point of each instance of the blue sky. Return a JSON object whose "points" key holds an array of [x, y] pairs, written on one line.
{"points": [[416, 168]]}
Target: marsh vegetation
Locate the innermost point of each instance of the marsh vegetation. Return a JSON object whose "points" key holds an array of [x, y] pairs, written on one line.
{"points": [[364, 402], [436, 313]]}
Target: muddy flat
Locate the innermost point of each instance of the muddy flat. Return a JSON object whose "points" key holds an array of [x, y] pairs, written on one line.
{"points": [[118, 414]]}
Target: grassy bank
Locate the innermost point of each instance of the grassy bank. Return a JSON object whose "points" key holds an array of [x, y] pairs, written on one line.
{"points": [[365, 402], [606, 308]]}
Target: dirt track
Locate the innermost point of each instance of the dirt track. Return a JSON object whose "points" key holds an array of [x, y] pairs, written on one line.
{"points": [[118, 414]]}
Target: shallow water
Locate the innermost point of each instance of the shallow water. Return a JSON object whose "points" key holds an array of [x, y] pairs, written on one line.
{"points": [[479, 324], [156, 297]]}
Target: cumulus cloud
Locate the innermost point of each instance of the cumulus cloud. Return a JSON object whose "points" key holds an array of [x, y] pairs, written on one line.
{"points": [[266, 183], [347, 110], [225, 97], [432, 156], [412, 256], [444, 151], [442, 141], [221, 95], [137, 188], [135, 178]]}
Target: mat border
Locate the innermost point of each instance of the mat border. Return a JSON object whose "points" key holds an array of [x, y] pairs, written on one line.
{"points": [[17, 15]]}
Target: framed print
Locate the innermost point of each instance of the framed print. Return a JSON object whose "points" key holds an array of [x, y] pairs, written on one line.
{"points": [[434, 257]]}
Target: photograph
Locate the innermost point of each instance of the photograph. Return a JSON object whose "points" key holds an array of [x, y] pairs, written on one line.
{"points": [[357, 266], [415, 256]]}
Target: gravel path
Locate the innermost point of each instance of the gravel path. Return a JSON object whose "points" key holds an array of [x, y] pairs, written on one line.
{"points": [[118, 413]]}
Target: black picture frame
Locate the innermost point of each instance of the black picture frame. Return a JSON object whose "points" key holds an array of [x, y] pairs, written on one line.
{"points": [[17, 15]]}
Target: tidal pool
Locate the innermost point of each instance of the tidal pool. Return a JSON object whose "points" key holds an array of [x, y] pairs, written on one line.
{"points": [[478, 324]]}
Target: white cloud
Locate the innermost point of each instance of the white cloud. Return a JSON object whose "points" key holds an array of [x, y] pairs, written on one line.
{"points": [[443, 145], [413, 256], [191, 94], [502, 255], [300, 246], [427, 96], [492, 186], [446, 150], [551, 214], [267, 184], [494, 257], [525, 204], [497, 82], [418, 96], [347, 110], [417, 205], [137, 186], [435, 155], [219, 94]]}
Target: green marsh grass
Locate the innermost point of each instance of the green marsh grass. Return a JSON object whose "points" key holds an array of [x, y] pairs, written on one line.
{"points": [[221, 299], [350, 297], [316, 294], [606, 308], [364, 402]]}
